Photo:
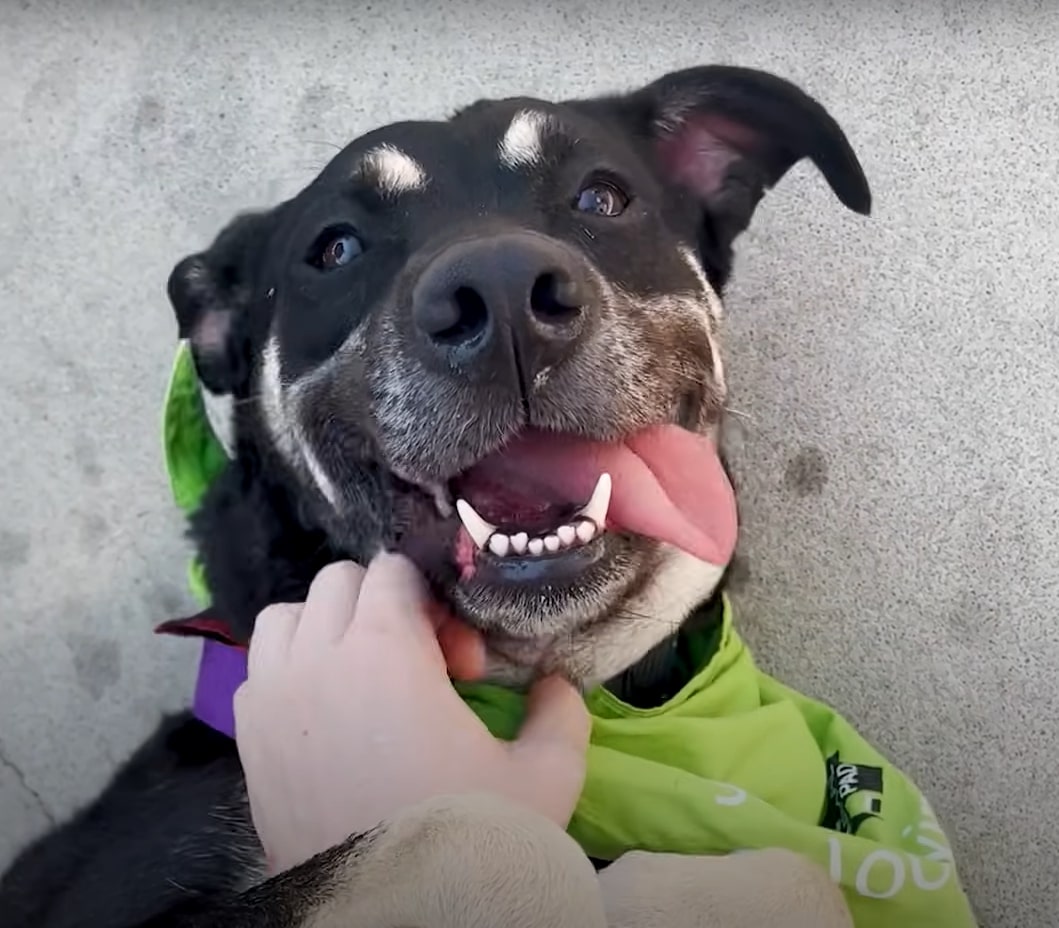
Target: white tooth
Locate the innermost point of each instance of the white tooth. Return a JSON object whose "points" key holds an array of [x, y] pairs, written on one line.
{"points": [[476, 526], [567, 534], [598, 504], [519, 542], [552, 543], [499, 544], [586, 531], [536, 546]]}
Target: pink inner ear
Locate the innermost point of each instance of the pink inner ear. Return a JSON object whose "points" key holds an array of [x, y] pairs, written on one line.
{"points": [[211, 333], [700, 150]]}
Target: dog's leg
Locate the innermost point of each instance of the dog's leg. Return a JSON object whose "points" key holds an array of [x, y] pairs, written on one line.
{"points": [[459, 862], [754, 889], [172, 825]]}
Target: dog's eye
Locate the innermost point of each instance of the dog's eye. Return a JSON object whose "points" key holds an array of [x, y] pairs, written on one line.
{"points": [[335, 248], [602, 198]]}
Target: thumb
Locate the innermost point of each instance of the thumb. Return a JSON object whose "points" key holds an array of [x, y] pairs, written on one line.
{"points": [[556, 716], [550, 751]]}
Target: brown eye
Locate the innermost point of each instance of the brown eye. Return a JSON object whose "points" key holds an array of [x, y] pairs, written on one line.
{"points": [[335, 248], [602, 199]]}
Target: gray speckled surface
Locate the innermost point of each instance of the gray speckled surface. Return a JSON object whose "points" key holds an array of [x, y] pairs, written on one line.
{"points": [[897, 377]]}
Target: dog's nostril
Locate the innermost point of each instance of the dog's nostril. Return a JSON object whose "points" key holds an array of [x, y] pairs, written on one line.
{"points": [[465, 318], [556, 298]]}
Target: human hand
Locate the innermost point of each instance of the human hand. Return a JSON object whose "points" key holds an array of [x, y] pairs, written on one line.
{"points": [[348, 715]]}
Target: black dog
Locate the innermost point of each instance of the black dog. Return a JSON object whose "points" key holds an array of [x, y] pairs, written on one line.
{"points": [[439, 346]]}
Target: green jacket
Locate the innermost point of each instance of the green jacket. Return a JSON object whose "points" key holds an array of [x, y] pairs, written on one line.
{"points": [[736, 760]]}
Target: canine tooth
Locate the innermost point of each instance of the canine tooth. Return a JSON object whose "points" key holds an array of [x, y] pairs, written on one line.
{"points": [[476, 526], [499, 544], [598, 504], [519, 542], [586, 531], [552, 543], [567, 534], [536, 546]]}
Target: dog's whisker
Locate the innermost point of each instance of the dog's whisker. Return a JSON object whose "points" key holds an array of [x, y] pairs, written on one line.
{"points": [[333, 145], [181, 887], [630, 615], [740, 414]]}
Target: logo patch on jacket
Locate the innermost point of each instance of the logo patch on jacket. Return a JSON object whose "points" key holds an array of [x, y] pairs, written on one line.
{"points": [[854, 795]]}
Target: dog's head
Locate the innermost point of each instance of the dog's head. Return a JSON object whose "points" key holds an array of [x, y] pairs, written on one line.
{"points": [[492, 343]]}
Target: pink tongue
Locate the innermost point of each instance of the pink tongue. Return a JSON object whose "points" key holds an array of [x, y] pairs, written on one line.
{"points": [[668, 483]]}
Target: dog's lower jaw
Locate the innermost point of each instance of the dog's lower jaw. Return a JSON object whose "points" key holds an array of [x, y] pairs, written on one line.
{"points": [[609, 646]]}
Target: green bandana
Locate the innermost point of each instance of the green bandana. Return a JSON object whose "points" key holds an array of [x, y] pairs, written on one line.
{"points": [[734, 761]]}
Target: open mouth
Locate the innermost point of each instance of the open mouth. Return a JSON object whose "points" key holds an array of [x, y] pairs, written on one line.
{"points": [[526, 537], [544, 507]]}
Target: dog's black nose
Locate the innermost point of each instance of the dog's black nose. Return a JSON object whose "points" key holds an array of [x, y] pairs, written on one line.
{"points": [[478, 299]]}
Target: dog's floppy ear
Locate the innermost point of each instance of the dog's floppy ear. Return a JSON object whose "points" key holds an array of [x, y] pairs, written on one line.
{"points": [[213, 294], [728, 134]]}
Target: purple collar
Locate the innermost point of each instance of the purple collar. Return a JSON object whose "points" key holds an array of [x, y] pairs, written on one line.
{"points": [[222, 669]]}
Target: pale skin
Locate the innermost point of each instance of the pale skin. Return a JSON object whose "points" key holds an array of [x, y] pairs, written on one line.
{"points": [[348, 715]]}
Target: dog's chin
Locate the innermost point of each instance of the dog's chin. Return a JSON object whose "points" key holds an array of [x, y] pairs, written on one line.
{"points": [[538, 598], [590, 632], [534, 611], [531, 609], [587, 613]]}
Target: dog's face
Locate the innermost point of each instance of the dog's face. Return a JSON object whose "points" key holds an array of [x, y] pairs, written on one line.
{"points": [[492, 343]]}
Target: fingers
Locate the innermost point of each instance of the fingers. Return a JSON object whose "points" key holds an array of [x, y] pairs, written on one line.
{"points": [[556, 717], [463, 648], [394, 599], [274, 630], [390, 596], [550, 753], [330, 607]]}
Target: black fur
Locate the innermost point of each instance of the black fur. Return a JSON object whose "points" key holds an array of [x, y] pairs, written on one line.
{"points": [[256, 546], [169, 842]]}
